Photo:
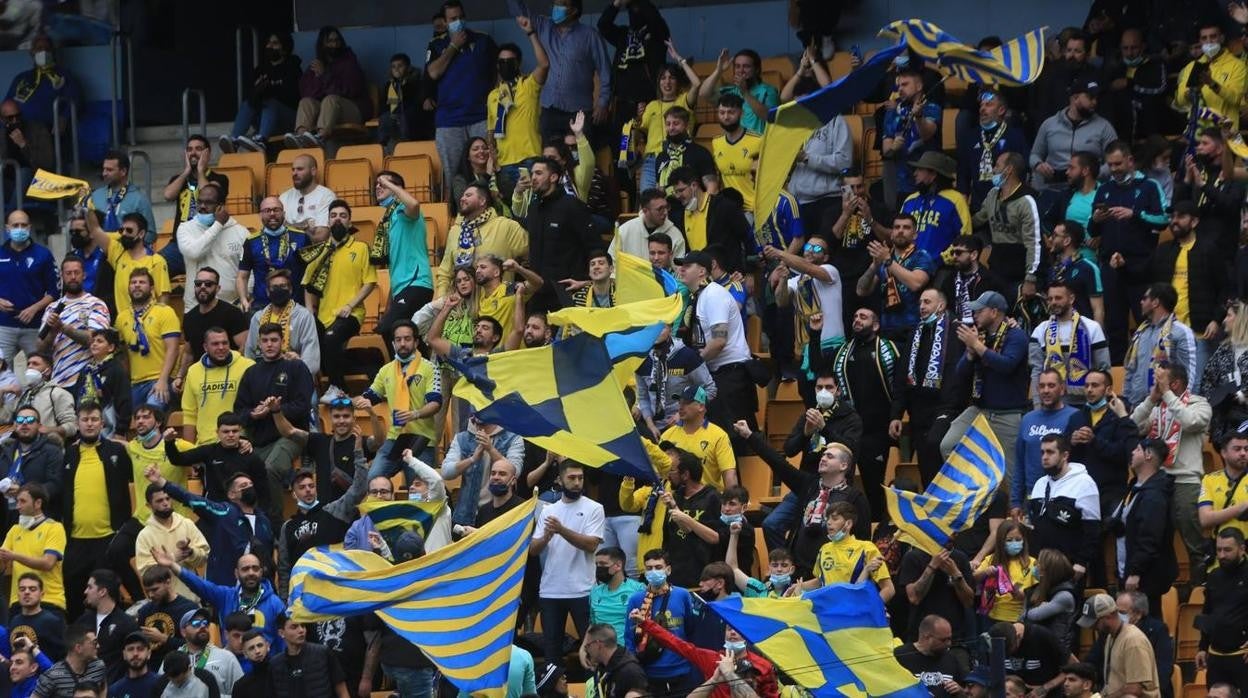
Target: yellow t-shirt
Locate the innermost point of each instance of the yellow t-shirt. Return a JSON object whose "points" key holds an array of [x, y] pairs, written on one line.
{"points": [[423, 387], [140, 458], [1006, 607], [521, 139], [709, 443], [736, 163], [1183, 308], [348, 272], [837, 561], [47, 537], [159, 321], [695, 225], [1214, 489], [656, 131], [499, 304], [209, 392], [91, 513], [123, 264]]}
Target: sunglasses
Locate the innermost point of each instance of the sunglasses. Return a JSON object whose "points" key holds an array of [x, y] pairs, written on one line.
{"points": [[25, 419], [812, 248], [204, 283], [341, 402], [198, 623]]}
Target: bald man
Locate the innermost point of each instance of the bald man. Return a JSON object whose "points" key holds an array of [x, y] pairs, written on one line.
{"points": [[274, 246], [306, 203]]}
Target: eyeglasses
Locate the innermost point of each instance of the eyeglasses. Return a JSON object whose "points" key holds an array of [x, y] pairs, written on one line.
{"points": [[130, 230], [271, 209], [957, 252], [204, 283], [341, 402], [378, 493], [206, 205], [198, 623], [25, 419], [808, 247]]}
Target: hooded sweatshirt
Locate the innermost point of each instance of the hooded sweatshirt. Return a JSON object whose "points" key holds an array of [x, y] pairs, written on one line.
{"points": [[209, 391], [1034, 426], [167, 534], [1066, 514]]}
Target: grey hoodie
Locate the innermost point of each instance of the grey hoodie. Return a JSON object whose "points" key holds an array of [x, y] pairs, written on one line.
{"points": [[1058, 138]]}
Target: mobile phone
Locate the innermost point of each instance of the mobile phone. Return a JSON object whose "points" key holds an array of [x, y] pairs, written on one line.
{"points": [[524, 172]]}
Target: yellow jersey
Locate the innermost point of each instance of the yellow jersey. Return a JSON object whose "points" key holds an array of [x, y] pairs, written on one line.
{"points": [[653, 124], [1215, 492], [158, 321], [709, 443], [424, 385], [1183, 307], [1006, 608], [348, 272], [837, 561], [499, 304], [695, 224], [91, 512], [140, 458], [121, 261], [519, 106], [47, 537], [737, 162]]}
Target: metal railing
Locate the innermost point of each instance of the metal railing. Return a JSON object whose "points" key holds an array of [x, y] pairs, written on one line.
{"points": [[6, 165], [238, 57], [114, 87], [186, 112], [137, 156], [121, 48], [130, 115], [73, 133]]}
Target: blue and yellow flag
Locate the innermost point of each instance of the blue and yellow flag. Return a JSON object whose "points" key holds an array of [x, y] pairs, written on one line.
{"points": [[629, 329], [1015, 63], [50, 186], [457, 604], [834, 641], [792, 123], [402, 513], [957, 496], [636, 280], [562, 397]]}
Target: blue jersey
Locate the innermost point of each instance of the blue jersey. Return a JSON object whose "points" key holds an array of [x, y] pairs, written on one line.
{"points": [[783, 225]]}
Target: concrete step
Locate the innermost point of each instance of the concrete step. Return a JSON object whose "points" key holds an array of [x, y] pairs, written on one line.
{"points": [[173, 132]]}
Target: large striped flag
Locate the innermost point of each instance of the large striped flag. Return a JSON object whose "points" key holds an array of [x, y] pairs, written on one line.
{"points": [[457, 604], [562, 397], [1015, 63], [834, 641], [793, 122], [957, 496], [402, 513]]}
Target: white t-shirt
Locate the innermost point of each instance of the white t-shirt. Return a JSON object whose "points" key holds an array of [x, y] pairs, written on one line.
{"points": [[315, 205], [568, 571], [829, 301], [716, 306]]}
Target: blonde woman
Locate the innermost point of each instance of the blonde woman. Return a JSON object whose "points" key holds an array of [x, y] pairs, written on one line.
{"points": [[1225, 379]]}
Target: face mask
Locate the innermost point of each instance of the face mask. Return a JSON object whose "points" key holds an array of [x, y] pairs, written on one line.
{"points": [[43, 58], [1210, 49], [499, 489], [691, 204], [1133, 62], [997, 179], [558, 14], [734, 646], [130, 243], [837, 537], [1098, 404], [386, 201], [19, 235], [1124, 617], [1052, 472], [780, 581], [279, 296], [248, 496], [275, 232], [571, 496], [603, 574], [33, 377], [79, 242], [307, 506], [730, 519], [26, 522], [1035, 571], [205, 219], [338, 231], [990, 126], [1013, 547], [825, 399], [902, 60], [508, 69], [455, 26], [416, 496], [656, 578]]}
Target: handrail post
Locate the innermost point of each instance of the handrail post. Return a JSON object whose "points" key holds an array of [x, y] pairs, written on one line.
{"points": [[115, 93], [238, 63], [186, 112], [130, 88], [73, 141], [136, 156], [56, 136]]}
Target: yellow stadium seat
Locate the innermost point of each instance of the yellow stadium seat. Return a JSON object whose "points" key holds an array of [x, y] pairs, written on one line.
{"points": [[709, 130], [762, 556], [872, 160], [948, 130], [755, 477], [419, 175], [1170, 608], [787, 391], [252, 161], [1197, 596], [855, 124], [277, 174], [1193, 690], [576, 690], [365, 219], [908, 471], [250, 221], [955, 88], [1176, 680], [351, 180], [242, 198], [288, 155], [782, 415], [1185, 565], [437, 226], [760, 417], [781, 66], [426, 148], [1188, 635], [840, 64], [367, 151]]}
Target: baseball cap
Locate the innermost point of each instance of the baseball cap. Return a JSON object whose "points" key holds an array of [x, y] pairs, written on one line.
{"points": [[192, 615], [1099, 606], [409, 546], [1088, 85], [982, 676], [692, 393], [696, 257], [1186, 207], [132, 637], [989, 299]]}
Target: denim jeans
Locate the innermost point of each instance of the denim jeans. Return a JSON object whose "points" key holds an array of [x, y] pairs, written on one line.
{"points": [[141, 394], [383, 467], [1204, 349], [271, 118], [781, 520], [409, 682], [173, 258], [621, 532], [13, 338], [554, 616], [649, 178]]}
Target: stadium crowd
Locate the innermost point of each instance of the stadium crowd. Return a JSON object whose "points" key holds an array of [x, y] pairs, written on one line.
{"points": [[1064, 259]]}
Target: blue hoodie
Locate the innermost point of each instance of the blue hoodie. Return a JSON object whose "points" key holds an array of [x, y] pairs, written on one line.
{"points": [[227, 600], [1034, 426]]}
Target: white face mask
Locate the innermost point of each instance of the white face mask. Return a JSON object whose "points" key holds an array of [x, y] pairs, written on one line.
{"points": [[27, 522], [33, 377], [43, 58], [691, 204], [824, 398], [1211, 49]]}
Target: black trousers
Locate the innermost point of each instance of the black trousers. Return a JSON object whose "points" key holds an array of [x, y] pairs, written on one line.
{"points": [[402, 307], [82, 557], [1227, 669], [1123, 290], [334, 348], [735, 398], [120, 550], [872, 460]]}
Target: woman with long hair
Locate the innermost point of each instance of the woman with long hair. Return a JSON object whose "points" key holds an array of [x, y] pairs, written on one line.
{"points": [[676, 86], [1006, 574], [477, 167], [106, 380], [332, 91], [1052, 603], [1223, 381]]}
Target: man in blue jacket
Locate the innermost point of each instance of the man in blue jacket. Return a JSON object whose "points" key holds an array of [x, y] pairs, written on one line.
{"points": [[28, 284], [1127, 213], [996, 370]]}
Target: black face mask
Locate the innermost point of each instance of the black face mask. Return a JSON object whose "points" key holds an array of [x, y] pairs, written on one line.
{"points": [[338, 231], [79, 241], [603, 574], [274, 54], [130, 243], [248, 496], [508, 69], [279, 296]]}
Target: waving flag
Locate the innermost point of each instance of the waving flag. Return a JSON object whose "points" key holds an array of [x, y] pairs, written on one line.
{"points": [[49, 185], [1015, 63], [562, 397], [457, 604], [834, 641], [957, 496], [792, 123], [402, 513]]}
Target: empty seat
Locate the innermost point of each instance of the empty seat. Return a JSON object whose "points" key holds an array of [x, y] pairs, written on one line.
{"points": [[368, 151], [420, 176], [427, 148], [351, 180], [252, 161], [242, 197]]}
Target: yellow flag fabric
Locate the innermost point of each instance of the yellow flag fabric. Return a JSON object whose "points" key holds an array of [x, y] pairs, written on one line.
{"points": [[635, 280], [51, 186], [1016, 63], [600, 321]]}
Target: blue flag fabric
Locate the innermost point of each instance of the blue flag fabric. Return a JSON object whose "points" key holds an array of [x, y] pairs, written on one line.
{"points": [[1016, 63]]}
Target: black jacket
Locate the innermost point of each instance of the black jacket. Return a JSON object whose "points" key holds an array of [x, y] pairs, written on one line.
{"points": [[1206, 277], [841, 424], [111, 634], [111, 390], [917, 399], [314, 679], [726, 227], [219, 465], [560, 237], [285, 378], [623, 673], [1224, 622], [1219, 203], [634, 72], [1149, 529], [989, 280], [42, 463], [277, 81], [1108, 454], [118, 474]]}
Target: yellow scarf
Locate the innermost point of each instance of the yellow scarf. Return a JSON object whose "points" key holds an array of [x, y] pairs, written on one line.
{"points": [[402, 395]]}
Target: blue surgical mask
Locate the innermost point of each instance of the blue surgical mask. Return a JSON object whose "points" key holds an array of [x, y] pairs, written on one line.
{"points": [[1099, 403], [307, 506], [1124, 617], [558, 14], [837, 537], [275, 232], [780, 581], [990, 126], [417, 496], [997, 179], [902, 60], [386, 201], [499, 489], [1013, 548], [656, 578], [19, 235], [1210, 49], [730, 519], [734, 646], [1035, 571], [455, 26], [205, 219], [1133, 62]]}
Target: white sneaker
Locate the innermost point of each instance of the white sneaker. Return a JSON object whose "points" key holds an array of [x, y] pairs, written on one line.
{"points": [[249, 144], [225, 144], [332, 393], [291, 140], [308, 139]]}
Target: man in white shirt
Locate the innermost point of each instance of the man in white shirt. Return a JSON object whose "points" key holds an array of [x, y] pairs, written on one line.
{"points": [[570, 534], [715, 329], [306, 202], [211, 238], [815, 293], [631, 237]]}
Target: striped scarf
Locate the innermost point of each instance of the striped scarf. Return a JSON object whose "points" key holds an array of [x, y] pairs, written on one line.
{"points": [[1160, 351], [470, 236], [1167, 427], [935, 360], [807, 305], [320, 258], [379, 255], [1074, 362], [885, 355], [281, 317], [994, 344]]}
